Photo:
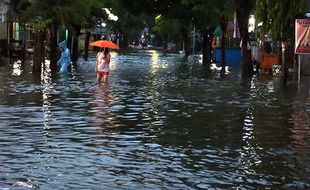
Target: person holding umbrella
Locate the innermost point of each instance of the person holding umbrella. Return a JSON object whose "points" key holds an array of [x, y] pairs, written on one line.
{"points": [[103, 58], [103, 65]]}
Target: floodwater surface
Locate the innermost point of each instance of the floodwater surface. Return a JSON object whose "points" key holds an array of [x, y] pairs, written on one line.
{"points": [[157, 124]]}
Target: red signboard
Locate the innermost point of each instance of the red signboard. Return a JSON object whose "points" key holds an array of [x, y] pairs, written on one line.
{"points": [[302, 36]]}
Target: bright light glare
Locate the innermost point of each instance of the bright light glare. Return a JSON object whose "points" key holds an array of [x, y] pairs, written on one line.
{"points": [[154, 62], [251, 23], [111, 16], [17, 71]]}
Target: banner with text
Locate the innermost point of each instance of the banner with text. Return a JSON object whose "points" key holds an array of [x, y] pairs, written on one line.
{"points": [[302, 36]]}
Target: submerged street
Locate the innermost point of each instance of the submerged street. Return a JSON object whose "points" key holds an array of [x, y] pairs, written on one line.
{"points": [[157, 124]]}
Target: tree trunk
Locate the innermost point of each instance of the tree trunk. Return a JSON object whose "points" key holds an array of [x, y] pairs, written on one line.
{"points": [[24, 43], [86, 45], [243, 12], [53, 46], [211, 51], [223, 24], [186, 41], [75, 48], [69, 41], [123, 40], [38, 52], [283, 63], [289, 59], [207, 48]]}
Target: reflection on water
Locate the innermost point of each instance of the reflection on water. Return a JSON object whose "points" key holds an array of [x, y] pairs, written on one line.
{"points": [[157, 124], [17, 68], [47, 91], [101, 104]]}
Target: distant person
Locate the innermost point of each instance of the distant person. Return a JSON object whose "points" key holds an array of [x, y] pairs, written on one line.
{"points": [[64, 60], [103, 65], [144, 44]]}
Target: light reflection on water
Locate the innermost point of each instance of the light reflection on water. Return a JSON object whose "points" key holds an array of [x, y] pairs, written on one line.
{"points": [[17, 70], [157, 124]]}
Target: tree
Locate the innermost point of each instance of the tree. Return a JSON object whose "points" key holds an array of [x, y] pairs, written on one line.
{"points": [[226, 12], [43, 11], [243, 10], [178, 12], [168, 29], [77, 16], [133, 17], [94, 18], [38, 24], [207, 15], [39, 50], [205, 19], [278, 17], [70, 13]]}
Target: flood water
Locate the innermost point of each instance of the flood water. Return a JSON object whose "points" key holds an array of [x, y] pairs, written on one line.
{"points": [[157, 124]]}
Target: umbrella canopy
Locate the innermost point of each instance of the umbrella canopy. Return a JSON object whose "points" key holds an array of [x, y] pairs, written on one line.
{"points": [[105, 44]]}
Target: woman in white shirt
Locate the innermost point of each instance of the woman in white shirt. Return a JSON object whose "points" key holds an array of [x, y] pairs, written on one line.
{"points": [[103, 65]]}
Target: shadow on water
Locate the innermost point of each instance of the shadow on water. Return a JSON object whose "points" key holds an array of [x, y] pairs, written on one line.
{"points": [[157, 124]]}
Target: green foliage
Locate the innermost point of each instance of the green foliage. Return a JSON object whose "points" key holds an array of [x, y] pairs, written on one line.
{"points": [[175, 10], [67, 12], [208, 14], [40, 25], [175, 22], [278, 17], [168, 29], [133, 16]]}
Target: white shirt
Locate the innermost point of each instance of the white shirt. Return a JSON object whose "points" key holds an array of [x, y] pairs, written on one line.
{"points": [[103, 62]]}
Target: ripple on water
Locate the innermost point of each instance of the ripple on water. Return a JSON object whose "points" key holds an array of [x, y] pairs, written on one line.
{"points": [[117, 107]]}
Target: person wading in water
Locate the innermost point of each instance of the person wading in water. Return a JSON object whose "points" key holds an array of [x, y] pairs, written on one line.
{"points": [[103, 65]]}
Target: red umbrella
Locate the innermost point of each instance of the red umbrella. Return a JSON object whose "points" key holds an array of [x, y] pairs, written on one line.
{"points": [[105, 44]]}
